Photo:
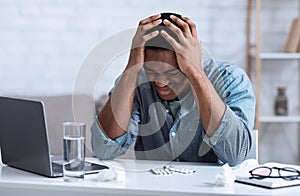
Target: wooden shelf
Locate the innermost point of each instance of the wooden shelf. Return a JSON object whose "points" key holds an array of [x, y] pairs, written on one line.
{"points": [[279, 55], [279, 119]]}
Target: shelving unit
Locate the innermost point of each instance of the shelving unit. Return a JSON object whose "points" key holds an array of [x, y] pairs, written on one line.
{"points": [[254, 53], [279, 56], [256, 57], [279, 119]]}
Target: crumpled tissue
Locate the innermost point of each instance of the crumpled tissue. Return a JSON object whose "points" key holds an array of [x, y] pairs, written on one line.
{"points": [[115, 173], [227, 178], [229, 174]]}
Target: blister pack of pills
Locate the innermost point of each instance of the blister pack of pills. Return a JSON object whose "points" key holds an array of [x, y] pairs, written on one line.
{"points": [[179, 170], [161, 171], [167, 170]]}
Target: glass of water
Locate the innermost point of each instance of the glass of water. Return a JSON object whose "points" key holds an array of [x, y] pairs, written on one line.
{"points": [[73, 151]]}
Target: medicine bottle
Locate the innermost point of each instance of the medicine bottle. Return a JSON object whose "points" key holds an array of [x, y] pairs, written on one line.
{"points": [[281, 102]]}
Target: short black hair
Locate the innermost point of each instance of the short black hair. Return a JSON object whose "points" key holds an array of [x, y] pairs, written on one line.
{"points": [[159, 42]]}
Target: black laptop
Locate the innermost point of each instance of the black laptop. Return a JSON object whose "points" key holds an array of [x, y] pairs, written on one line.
{"points": [[24, 138]]}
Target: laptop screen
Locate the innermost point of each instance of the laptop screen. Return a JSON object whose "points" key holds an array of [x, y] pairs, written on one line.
{"points": [[23, 135]]}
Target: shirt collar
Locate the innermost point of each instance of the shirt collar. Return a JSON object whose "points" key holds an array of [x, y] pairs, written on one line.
{"points": [[183, 103]]}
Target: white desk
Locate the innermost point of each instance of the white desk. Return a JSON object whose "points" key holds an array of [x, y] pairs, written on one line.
{"points": [[138, 181]]}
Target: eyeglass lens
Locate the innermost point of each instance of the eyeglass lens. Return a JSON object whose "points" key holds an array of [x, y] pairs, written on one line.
{"points": [[288, 173], [261, 172]]}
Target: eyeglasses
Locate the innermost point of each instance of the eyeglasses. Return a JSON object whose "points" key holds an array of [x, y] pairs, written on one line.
{"points": [[286, 173]]}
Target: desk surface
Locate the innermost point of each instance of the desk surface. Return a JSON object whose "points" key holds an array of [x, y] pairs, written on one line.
{"points": [[138, 181]]}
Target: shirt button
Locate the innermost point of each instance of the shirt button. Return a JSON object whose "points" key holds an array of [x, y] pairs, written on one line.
{"points": [[173, 134]]}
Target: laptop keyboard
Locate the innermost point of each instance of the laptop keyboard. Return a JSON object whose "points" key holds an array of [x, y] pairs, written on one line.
{"points": [[57, 168]]}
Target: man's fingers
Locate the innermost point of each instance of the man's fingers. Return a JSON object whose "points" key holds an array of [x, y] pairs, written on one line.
{"points": [[150, 25], [191, 25], [149, 19], [184, 26], [170, 39], [175, 29], [150, 35]]}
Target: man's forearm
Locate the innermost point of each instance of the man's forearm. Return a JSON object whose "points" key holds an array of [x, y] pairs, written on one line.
{"points": [[115, 115], [210, 105]]}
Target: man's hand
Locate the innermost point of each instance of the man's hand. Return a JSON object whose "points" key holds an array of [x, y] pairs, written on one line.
{"points": [[136, 57], [188, 54], [188, 50]]}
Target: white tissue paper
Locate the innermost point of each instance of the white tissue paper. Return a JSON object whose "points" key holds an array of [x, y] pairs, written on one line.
{"points": [[107, 175], [227, 178], [116, 172], [229, 174]]}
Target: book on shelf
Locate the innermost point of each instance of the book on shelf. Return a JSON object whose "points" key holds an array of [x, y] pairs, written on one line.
{"points": [[293, 41], [298, 50]]}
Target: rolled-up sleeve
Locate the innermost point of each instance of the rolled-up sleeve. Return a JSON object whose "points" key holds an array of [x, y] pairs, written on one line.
{"points": [[232, 140], [106, 148]]}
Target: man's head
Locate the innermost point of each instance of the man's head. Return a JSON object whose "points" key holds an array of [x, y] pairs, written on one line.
{"points": [[161, 65], [159, 42]]}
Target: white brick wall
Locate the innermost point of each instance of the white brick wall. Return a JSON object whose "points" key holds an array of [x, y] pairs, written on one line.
{"points": [[44, 42]]}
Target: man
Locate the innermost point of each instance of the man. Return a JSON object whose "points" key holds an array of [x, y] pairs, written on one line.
{"points": [[172, 103]]}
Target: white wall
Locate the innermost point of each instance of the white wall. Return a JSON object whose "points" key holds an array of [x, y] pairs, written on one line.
{"points": [[44, 42]]}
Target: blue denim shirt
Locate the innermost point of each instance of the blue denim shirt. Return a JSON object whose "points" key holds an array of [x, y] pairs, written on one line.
{"points": [[156, 137]]}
